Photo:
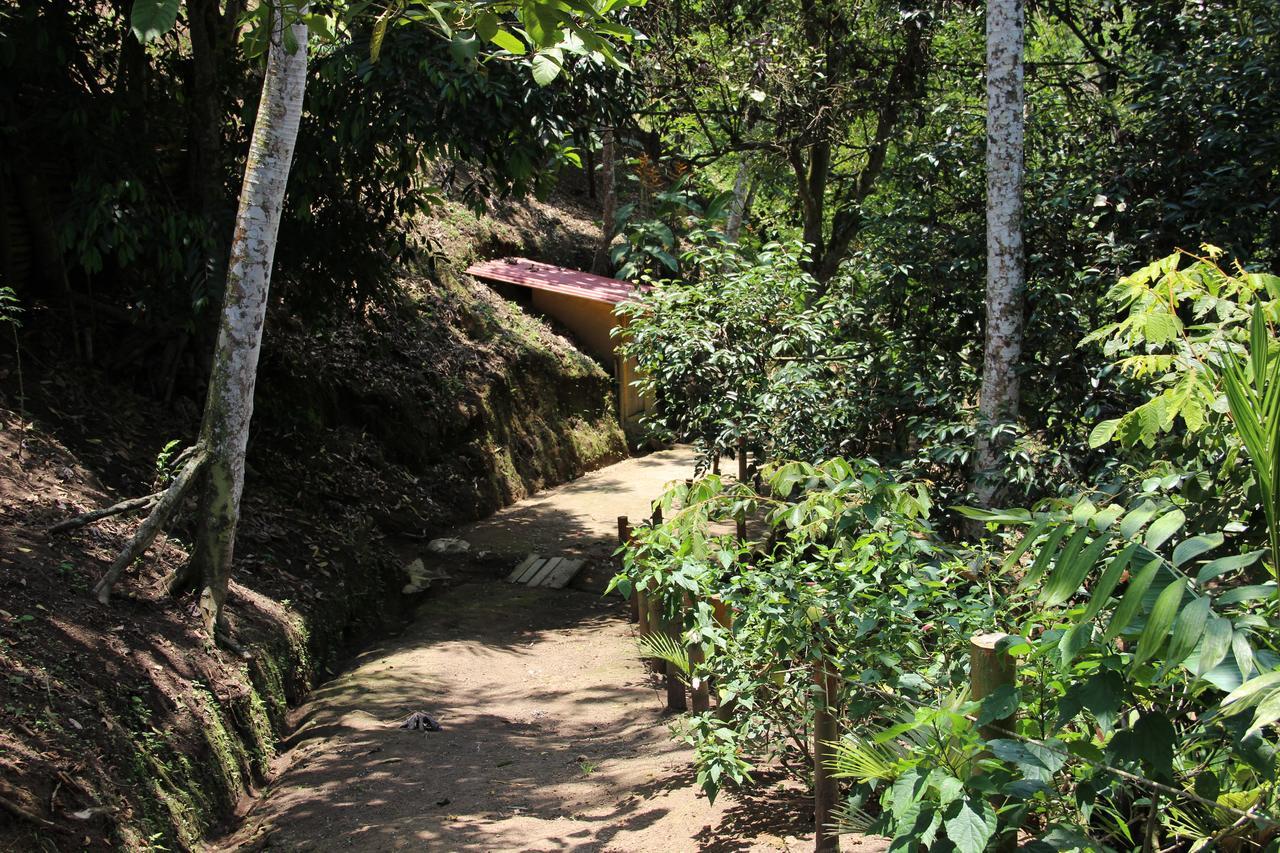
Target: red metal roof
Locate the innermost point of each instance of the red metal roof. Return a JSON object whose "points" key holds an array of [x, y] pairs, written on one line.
{"points": [[556, 279]]}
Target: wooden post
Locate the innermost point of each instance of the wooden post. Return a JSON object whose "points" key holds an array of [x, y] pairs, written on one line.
{"points": [[653, 625], [990, 669], [657, 513], [676, 700], [722, 615], [715, 463], [699, 695], [826, 790], [624, 536]]}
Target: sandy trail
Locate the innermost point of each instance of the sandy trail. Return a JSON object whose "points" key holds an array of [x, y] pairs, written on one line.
{"points": [[554, 739]]}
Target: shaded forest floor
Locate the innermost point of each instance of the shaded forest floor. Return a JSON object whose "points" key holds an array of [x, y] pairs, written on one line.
{"points": [[554, 736]]}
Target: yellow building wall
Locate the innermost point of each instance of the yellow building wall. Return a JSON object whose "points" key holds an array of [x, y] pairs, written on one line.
{"points": [[592, 322], [589, 320]]}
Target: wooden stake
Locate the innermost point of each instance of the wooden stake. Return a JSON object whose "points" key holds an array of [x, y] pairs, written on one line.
{"points": [[699, 695], [654, 610], [657, 513], [722, 614], [826, 790], [989, 670], [676, 700]]}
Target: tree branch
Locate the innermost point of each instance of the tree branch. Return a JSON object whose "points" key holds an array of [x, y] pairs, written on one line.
{"points": [[154, 522]]}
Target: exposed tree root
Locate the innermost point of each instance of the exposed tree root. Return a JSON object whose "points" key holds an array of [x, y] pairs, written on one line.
{"points": [[9, 802], [159, 517], [146, 502]]}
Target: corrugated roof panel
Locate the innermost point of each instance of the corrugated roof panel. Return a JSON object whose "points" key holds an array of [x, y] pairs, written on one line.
{"points": [[556, 279]]}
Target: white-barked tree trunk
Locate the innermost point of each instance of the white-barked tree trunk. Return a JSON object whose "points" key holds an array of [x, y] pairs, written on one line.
{"points": [[1002, 350], [229, 405], [601, 264]]}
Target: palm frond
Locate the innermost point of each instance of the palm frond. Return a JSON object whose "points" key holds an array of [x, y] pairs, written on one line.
{"points": [[666, 648]]}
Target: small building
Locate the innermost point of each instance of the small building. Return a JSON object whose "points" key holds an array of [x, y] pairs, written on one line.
{"points": [[580, 302]]}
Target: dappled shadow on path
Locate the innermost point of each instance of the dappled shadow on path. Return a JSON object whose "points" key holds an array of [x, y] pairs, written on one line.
{"points": [[553, 736]]}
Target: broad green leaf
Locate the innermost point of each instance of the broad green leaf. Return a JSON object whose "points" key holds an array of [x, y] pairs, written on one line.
{"points": [[1107, 583], [1132, 600], [1187, 631], [1074, 640], [486, 25], [1268, 712], [1217, 641], [1163, 528], [376, 37], [1252, 689], [1189, 549], [508, 42], [153, 18], [1159, 620], [971, 826], [1103, 432], [1001, 704], [1254, 592], [546, 68], [1064, 570], [1222, 565], [1134, 519], [1046, 554], [1242, 651]]}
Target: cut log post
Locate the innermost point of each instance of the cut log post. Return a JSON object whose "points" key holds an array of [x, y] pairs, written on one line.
{"points": [[722, 614], [826, 789], [653, 625], [676, 699], [991, 668], [715, 463], [699, 689]]}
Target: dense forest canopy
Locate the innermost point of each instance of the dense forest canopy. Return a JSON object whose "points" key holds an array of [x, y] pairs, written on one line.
{"points": [[806, 186]]}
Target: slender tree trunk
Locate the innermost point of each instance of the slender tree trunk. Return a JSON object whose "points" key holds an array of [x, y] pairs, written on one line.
{"points": [[741, 200], [609, 208], [229, 405], [998, 403]]}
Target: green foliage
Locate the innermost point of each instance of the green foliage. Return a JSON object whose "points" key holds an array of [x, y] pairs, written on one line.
{"points": [[10, 307], [1225, 361], [839, 533], [650, 246]]}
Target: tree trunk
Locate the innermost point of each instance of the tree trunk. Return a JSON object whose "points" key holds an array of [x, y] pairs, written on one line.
{"points": [[609, 189], [998, 400], [229, 405], [741, 200]]}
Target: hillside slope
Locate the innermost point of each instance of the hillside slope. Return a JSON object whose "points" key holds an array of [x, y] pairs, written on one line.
{"points": [[122, 726]]}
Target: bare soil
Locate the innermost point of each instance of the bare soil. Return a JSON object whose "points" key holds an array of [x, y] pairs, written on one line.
{"points": [[554, 736]]}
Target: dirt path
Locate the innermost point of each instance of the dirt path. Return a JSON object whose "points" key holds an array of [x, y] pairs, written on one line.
{"points": [[554, 737]]}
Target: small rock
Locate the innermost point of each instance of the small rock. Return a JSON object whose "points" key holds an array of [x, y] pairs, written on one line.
{"points": [[448, 546]]}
